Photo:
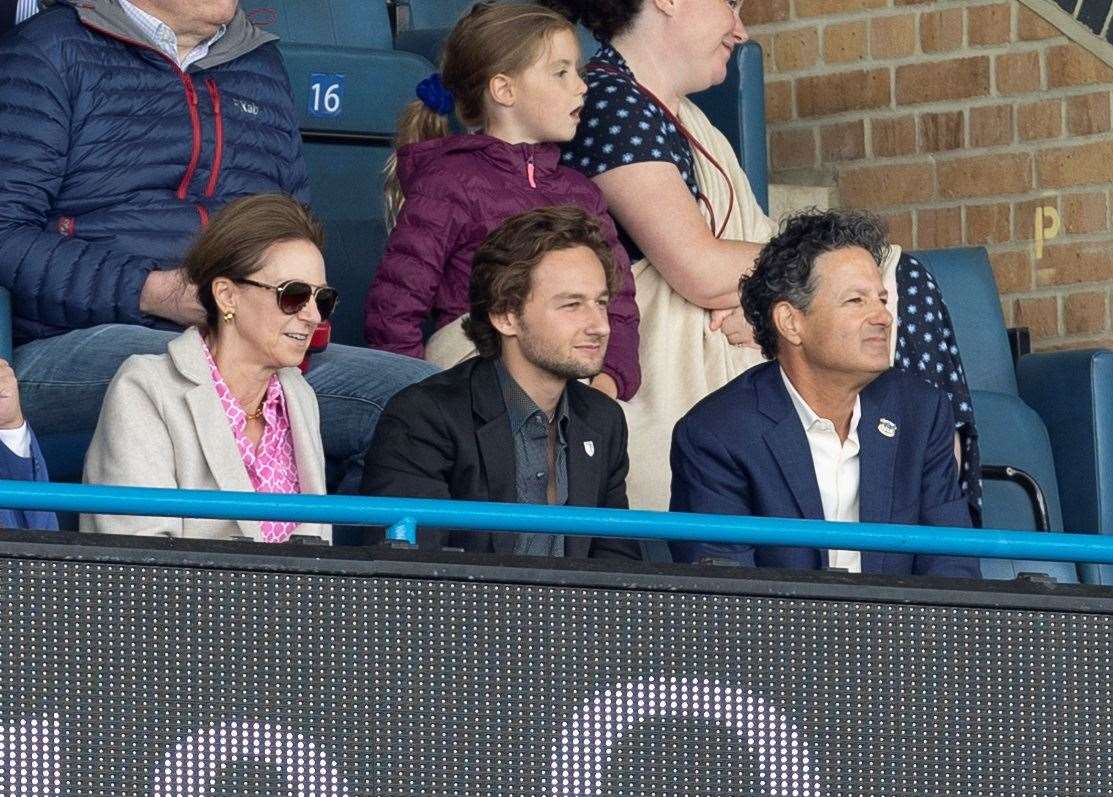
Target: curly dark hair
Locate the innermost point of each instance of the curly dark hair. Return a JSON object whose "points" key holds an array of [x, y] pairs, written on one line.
{"points": [[784, 270], [502, 268], [604, 18]]}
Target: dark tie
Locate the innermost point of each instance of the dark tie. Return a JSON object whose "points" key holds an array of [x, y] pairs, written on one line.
{"points": [[7, 15]]}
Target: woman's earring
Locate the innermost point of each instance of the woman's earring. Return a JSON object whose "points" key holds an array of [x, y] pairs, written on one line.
{"points": [[230, 316]]}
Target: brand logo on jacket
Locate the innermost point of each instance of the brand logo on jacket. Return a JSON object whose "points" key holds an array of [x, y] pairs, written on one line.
{"points": [[247, 107]]}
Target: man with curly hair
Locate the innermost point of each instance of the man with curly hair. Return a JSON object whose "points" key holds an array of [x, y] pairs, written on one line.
{"points": [[826, 430], [514, 425]]}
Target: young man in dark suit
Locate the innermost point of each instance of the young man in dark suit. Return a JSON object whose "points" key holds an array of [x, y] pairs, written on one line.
{"points": [[826, 430], [514, 424]]}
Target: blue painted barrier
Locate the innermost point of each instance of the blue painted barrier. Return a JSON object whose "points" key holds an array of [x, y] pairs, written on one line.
{"points": [[405, 514]]}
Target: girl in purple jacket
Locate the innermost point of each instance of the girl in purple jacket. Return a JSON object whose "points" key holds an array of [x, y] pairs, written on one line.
{"points": [[510, 71]]}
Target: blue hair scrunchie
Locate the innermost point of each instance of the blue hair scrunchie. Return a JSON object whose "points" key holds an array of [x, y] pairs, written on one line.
{"points": [[436, 97]]}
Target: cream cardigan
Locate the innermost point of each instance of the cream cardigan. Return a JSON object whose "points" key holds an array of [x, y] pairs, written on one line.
{"points": [[162, 425]]}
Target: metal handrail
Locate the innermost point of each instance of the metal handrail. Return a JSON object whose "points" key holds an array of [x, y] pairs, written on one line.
{"points": [[403, 515]]}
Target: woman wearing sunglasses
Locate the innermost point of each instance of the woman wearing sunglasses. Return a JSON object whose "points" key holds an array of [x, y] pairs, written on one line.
{"points": [[226, 407]]}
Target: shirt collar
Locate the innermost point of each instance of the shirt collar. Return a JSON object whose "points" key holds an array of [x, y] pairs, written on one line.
{"points": [[521, 408], [274, 400], [808, 416], [163, 37]]}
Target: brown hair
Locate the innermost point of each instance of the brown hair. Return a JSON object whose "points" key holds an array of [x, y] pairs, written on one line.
{"points": [[490, 39], [502, 269], [234, 244]]}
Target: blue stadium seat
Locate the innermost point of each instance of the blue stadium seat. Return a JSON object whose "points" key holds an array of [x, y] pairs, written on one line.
{"points": [[343, 50], [736, 106], [338, 23], [1010, 432], [428, 14], [1073, 393]]}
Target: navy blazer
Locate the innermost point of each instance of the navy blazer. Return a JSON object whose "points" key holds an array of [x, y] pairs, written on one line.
{"points": [[32, 468], [743, 451]]}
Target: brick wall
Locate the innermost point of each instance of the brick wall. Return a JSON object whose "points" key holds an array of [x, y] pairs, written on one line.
{"points": [[958, 122]]}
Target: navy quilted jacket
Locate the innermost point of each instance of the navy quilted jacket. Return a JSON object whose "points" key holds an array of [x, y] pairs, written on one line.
{"points": [[113, 158]]}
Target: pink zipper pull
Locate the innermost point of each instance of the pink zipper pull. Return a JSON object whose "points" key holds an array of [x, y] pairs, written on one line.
{"points": [[529, 172]]}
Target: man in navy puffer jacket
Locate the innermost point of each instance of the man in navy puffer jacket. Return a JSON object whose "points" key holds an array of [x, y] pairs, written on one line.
{"points": [[125, 125]]}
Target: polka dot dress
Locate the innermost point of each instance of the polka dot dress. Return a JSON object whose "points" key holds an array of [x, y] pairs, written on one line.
{"points": [[926, 346], [620, 125]]}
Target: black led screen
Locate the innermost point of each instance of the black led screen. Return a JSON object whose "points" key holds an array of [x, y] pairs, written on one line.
{"points": [[159, 679]]}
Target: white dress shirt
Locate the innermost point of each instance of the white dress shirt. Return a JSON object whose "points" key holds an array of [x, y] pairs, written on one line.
{"points": [[837, 470], [163, 37], [17, 440]]}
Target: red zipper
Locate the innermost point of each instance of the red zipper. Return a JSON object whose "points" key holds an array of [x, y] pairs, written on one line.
{"points": [[195, 121], [218, 121], [191, 95], [203, 213], [529, 172]]}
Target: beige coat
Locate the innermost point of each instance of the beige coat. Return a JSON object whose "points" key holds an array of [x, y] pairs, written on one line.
{"points": [[162, 425]]}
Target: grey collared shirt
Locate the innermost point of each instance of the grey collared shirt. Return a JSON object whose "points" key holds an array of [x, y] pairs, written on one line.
{"points": [[529, 427]]}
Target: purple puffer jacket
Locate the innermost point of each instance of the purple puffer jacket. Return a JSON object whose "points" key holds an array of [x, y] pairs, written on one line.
{"points": [[457, 190]]}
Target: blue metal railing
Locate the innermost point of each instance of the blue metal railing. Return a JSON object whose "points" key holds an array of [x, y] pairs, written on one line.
{"points": [[404, 515]]}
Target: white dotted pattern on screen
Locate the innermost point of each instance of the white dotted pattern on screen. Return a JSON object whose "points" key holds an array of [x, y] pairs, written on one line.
{"points": [[580, 758], [193, 767], [31, 757]]}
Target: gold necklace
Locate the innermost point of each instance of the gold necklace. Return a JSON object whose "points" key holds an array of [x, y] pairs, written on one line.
{"points": [[254, 416]]}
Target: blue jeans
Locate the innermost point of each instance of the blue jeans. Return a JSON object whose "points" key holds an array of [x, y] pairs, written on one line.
{"points": [[63, 379]]}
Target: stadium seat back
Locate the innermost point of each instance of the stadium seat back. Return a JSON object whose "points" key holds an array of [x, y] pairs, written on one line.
{"points": [[348, 198], [1073, 393], [337, 23], [349, 86], [1009, 431], [345, 155], [426, 14], [966, 279]]}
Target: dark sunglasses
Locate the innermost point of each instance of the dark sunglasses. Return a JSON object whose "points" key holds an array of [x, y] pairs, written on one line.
{"points": [[293, 295]]}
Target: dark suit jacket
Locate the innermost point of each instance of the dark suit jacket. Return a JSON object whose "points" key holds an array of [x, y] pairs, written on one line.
{"points": [[32, 468], [743, 451], [448, 437]]}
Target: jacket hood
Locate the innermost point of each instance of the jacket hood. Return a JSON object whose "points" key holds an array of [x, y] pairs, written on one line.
{"points": [[414, 160], [109, 17]]}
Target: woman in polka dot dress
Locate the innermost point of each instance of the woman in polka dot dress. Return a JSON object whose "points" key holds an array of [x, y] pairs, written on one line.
{"points": [[632, 144]]}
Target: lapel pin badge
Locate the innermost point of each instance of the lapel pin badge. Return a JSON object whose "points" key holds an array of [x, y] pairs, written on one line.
{"points": [[589, 447], [887, 427]]}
